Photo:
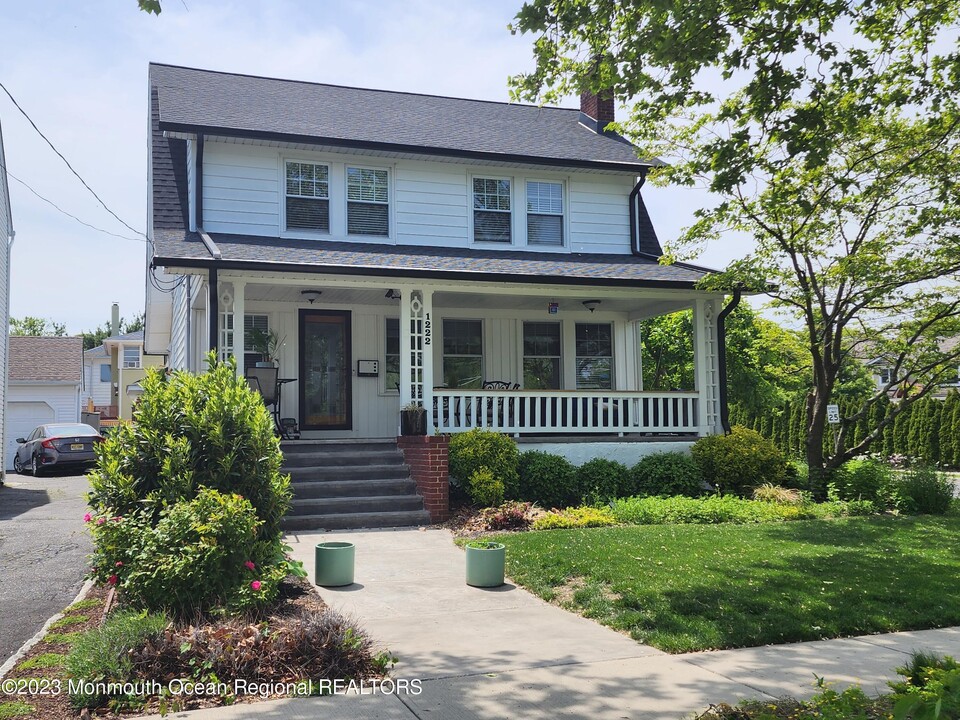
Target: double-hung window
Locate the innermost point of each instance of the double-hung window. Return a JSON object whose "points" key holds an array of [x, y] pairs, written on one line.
{"points": [[491, 210], [594, 356], [462, 353], [544, 213], [307, 196], [541, 356], [368, 202], [131, 356]]}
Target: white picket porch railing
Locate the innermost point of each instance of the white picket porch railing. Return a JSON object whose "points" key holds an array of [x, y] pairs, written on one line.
{"points": [[565, 411]]}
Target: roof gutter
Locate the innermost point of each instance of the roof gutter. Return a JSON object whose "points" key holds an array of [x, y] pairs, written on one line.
{"points": [[722, 357], [255, 266], [635, 218], [639, 166]]}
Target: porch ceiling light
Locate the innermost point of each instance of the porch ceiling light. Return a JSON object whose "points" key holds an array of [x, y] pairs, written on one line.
{"points": [[591, 305], [310, 295], [392, 294]]}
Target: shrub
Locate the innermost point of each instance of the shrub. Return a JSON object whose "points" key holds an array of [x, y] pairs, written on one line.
{"points": [[548, 480], [194, 559], [512, 515], [485, 488], [470, 451], [924, 490], [726, 509], [738, 462], [666, 473], [103, 655], [864, 479], [304, 645], [930, 689], [189, 492], [601, 480], [581, 517]]}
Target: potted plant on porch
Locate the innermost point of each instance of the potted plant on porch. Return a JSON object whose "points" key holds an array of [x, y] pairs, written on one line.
{"points": [[268, 344], [413, 419]]}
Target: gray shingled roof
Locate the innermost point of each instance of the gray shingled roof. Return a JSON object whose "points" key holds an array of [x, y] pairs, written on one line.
{"points": [[180, 248], [190, 99], [46, 359]]}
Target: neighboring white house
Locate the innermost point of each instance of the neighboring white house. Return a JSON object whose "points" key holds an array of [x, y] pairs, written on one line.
{"points": [[6, 238], [45, 380], [490, 261], [97, 379]]}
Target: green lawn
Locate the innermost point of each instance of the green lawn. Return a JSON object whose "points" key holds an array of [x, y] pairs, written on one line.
{"points": [[695, 587]]}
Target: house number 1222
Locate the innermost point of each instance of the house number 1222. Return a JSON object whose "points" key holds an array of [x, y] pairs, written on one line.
{"points": [[426, 329]]}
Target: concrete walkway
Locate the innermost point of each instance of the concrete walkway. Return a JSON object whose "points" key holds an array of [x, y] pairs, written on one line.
{"points": [[505, 653]]}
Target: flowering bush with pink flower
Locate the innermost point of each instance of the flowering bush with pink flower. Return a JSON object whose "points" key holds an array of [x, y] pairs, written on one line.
{"points": [[187, 500]]}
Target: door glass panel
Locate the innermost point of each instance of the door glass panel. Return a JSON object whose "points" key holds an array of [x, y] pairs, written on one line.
{"points": [[325, 370]]}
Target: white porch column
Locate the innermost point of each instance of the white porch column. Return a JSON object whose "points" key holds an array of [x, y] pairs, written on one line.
{"points": [[427, 357], [706, 366], [239, 341]]}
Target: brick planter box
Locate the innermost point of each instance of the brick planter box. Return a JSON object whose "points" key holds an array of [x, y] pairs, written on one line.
{"points": [[426, 456]]}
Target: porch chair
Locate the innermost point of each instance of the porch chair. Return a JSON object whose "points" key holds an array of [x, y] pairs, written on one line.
{"points": [[264, 381]]}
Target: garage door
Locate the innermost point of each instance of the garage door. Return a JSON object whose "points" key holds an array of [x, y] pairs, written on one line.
{"points": [[22, 418]]}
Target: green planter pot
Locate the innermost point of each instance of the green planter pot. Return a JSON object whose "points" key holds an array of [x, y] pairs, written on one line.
{"points": [[334, 563], [485, 564]]}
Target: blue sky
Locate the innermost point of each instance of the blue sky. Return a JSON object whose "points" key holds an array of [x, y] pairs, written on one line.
{"points": [[80, 70]]}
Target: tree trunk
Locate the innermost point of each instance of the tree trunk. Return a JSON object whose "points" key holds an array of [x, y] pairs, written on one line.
{"points": [[816, 426]]}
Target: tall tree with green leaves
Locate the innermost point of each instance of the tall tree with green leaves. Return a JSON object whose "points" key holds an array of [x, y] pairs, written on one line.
{"points": [[829, 133], [29, 325]]}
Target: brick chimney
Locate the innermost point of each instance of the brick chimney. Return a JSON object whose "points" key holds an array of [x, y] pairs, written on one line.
{"points": [[598, 108]]}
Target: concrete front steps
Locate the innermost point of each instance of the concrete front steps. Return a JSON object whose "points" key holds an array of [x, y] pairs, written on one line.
{"points": [[350, 484]]}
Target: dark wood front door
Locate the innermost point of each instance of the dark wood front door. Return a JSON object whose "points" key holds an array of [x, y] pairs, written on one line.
{"points": [[326, 401]]}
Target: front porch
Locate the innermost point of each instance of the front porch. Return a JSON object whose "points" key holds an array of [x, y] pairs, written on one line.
{"points": [[525, 359]]}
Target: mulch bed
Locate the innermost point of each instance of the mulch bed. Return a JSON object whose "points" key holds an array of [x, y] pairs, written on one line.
{"points": [[44, 690]]}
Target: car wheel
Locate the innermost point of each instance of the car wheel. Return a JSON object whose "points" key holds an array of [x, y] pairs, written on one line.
{"points": [[35, 466], [17, 465]]}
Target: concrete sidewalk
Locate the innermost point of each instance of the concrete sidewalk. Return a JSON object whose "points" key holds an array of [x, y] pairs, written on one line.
{"points": [[501, 653]]}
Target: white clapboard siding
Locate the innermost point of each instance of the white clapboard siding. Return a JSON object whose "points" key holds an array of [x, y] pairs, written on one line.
{"points": [[241, 189], [600, 214], [431, 201], [6, 228]]}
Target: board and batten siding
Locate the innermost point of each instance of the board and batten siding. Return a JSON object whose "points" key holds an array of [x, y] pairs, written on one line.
{"points": [[431, 201], [178, 329]]}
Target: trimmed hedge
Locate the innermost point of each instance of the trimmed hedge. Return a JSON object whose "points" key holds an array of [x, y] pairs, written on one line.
{"points": [[548, 480], [666, 473], [739, 462]]}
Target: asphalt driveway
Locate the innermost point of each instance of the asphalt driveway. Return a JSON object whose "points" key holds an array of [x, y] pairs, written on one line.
{"points": [[43, 552]]}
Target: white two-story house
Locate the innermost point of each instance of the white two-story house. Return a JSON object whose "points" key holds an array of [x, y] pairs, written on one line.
{"points": [[489, 261]]}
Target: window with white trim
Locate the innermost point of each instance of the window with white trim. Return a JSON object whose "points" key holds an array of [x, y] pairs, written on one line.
{"points": [[131, 356], [544, 213], [368, 202], [391, 356], [541, 355], [594, 356], [251, 323], [462, 353], [491, 210], [307, 196]]}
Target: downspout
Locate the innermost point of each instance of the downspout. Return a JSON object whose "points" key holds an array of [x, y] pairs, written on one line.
{"points": [[634, 218], [722, 358], [214, 309]]}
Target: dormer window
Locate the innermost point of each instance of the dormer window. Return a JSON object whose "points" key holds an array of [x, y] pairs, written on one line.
{"points": [[308, 196], [491, 210], [544, 213], [368, 204]]}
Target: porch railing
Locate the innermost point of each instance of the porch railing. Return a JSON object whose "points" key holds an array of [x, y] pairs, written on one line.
{"points": [[561, 411]]}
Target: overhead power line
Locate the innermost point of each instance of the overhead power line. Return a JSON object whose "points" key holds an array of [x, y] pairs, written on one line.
{"points": [[67, 162], [69, 215]]}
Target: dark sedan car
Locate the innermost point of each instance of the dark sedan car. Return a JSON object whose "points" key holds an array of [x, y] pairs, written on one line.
{"points": [[56, 445]]}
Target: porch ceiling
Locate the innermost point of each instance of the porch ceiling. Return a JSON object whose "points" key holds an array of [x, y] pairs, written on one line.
{"points": [[337, 295]]}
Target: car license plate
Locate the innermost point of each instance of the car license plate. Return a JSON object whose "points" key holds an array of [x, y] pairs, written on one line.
{"points": [[76, 446]]}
